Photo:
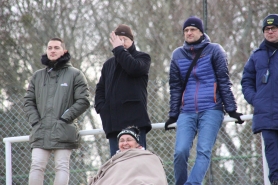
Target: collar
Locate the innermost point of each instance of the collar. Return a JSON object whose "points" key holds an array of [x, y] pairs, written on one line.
{"points": [[60, 62], [132, 48]]}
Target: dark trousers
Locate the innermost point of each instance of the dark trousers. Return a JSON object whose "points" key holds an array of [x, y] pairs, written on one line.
{"points": [[271, 152], [113, 142]]}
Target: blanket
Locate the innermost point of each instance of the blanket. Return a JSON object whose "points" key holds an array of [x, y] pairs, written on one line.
{"points": [[131, 167]]}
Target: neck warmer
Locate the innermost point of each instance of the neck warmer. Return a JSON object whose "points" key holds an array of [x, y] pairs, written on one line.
{"points": [[271, 45], [55, 64], [198, 41]]}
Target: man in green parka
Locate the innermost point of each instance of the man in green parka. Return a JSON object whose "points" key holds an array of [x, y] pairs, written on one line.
{"points": [[56, 96]]}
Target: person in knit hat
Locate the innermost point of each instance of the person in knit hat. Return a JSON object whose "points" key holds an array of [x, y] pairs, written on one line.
{"points": [[129, 138], [121, 93], [198, 107], [132, 164], [195, 22], [259, 87], [124, 30]]}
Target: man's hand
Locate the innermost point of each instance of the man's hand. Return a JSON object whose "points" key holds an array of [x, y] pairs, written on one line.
{"points": [[115, 40], [236, 115], [169, 122]]}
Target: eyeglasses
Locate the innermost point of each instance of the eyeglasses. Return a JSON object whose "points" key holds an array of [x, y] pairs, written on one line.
{"points": [[273, 29]]}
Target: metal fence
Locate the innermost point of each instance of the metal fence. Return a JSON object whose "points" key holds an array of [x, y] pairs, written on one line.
{"points": [[236, 159]]}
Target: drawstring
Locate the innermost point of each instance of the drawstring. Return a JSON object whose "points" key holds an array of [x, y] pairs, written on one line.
{"points": [[48, 72], [57, 78], [45, 75]]}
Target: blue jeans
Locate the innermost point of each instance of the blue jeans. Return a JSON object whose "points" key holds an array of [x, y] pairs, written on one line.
{"points": [[271, 152], [114, 147], [207, 125]]}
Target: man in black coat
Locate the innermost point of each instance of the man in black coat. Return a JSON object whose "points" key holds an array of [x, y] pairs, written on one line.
{"points": [[121, 93]]}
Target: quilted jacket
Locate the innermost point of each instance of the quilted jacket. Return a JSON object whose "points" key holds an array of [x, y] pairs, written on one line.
{"points": [[209, 85]]}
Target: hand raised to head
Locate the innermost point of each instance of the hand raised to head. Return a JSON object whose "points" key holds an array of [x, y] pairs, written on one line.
{"points": [[115, 40]]}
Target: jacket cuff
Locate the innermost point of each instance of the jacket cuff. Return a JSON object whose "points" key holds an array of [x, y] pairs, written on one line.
{"points": [[64, 120]]}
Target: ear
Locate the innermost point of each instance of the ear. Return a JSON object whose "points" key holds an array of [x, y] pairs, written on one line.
{"points": [[65, 51]]}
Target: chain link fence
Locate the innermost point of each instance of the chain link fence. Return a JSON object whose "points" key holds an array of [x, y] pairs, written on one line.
{"points": [[236, 158]]}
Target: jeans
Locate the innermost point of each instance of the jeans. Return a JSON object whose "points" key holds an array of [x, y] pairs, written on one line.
{"points": [[39, 161], [271, 152], [207, 125], [114, 146]]}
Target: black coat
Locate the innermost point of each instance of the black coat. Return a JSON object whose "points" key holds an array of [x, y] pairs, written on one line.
{"points": [[121, 93]]}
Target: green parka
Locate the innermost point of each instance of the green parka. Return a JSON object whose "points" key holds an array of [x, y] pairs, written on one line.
{"points": [[56, 96]]}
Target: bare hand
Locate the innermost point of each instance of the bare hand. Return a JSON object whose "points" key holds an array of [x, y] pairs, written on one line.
{"points": [[115, 40]]}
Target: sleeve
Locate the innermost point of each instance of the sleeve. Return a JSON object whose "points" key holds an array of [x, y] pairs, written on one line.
{"points": [[135, 66], [176, 90], [248, 81], [30, 105], [220, 65], [100, 91], [80, 96]]}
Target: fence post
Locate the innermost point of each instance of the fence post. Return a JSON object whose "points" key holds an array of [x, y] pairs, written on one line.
{"points": [[8, 151]]}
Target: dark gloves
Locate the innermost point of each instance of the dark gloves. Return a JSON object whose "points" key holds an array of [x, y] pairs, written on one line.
{"points": [[168, 122], [236, 115]]}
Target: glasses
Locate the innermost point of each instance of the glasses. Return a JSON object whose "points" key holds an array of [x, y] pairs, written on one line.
{"points": [[273, 29]]}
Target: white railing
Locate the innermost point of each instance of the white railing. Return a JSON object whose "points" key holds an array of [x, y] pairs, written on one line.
{"points": [[9, 140]]}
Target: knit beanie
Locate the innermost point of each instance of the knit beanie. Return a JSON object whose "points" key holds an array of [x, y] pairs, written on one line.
{"points": [[132, 131], [271, 19], [194, 21], [124, 30]]}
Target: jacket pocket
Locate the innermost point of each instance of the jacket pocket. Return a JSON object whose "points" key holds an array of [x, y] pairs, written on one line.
{"points": [[133, 111], [65, 132], [36, 133]]}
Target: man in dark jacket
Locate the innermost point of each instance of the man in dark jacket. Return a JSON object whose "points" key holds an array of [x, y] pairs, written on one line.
{"points": [[56, 96], [260, 86], [198, 107], [121, 93]]}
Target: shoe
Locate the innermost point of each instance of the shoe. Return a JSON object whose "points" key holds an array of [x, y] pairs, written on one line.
{"points": [[274, 183]]}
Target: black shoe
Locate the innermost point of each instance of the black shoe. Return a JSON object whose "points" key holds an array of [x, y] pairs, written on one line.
{"points": [[274, 183]]}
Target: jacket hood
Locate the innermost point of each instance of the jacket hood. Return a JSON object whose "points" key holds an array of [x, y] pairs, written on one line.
{"points": [[61, 62]]}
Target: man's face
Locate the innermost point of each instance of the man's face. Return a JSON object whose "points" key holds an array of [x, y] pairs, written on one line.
{"points": [[191, 34], [127, 41], [54, 50], [271, 33]]}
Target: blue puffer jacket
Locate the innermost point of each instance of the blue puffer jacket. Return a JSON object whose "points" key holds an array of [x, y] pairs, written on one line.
{"points": [[208, 86], [263, 96]]}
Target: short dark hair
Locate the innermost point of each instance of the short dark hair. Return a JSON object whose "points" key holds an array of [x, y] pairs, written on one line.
{"points": [[58, 39]]}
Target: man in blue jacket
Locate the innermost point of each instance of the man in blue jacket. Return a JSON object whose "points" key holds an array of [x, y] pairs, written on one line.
{"points": [[198, 107], [260, 86]]}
